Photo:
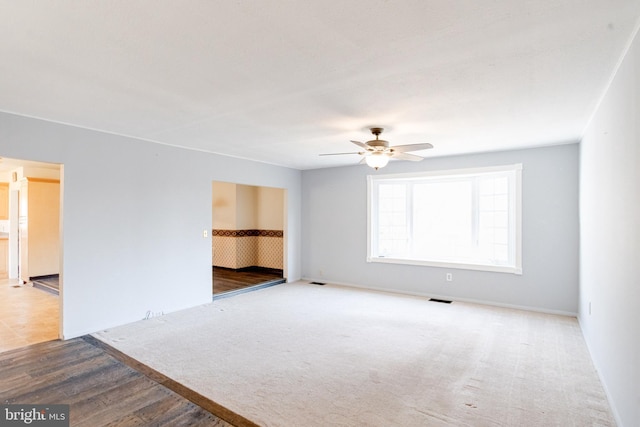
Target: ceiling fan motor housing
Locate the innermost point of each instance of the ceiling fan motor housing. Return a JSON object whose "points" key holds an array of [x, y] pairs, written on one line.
{"points": [[377, 144]]}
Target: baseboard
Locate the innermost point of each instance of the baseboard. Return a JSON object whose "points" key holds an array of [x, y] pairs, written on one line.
{"points": [[449, 297], [253, 268]]}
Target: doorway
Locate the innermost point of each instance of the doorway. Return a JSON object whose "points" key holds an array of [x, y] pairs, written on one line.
{"points": [[30, 248], [248, 245]]}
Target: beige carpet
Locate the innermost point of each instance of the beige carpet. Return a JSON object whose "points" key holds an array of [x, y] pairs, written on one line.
{"points": [[307, 355]]}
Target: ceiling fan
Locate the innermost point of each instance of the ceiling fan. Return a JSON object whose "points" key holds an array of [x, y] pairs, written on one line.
{"points": [[377, 152]]}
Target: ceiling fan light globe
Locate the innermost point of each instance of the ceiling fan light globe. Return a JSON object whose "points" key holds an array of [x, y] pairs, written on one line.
{"points": [[377, 160]]}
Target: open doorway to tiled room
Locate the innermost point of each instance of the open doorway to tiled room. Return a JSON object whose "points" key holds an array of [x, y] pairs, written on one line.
{"points": [[247, 237]]}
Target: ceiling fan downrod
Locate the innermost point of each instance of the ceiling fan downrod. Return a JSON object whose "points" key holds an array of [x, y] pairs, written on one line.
{"points": [[378, 144], [377, 131]]}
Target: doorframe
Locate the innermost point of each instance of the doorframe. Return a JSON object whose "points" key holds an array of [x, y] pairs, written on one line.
{"points": [[14, 239], [285, 216]]}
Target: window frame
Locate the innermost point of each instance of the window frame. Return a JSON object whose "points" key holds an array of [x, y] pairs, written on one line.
{"points": [[515, 204]]}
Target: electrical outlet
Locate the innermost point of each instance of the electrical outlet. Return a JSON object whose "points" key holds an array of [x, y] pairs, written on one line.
{"points": [[151, 314], [449, 277], [205, 233]]}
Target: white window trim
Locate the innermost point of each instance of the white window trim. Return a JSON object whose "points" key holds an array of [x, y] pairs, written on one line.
{"points": [[517, 269]]}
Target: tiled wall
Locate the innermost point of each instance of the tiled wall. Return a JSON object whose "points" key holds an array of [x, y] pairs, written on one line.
{"points": [[247, 248]]}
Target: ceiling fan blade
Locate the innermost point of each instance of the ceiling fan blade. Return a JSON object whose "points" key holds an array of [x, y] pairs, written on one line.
{"points": [[411, 147], [361, 144], [339, 154], [406, 156]]}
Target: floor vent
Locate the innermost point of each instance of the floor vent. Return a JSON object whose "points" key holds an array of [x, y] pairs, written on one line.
{"points": [[317, 283], [444, 301]]}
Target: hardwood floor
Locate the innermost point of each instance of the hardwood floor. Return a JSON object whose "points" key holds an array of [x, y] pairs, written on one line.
{"points": [[102, 386], [227, 280], [100, 389], [27, 315]]}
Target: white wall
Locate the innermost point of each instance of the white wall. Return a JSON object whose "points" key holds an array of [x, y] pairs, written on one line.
{"points": [[224, 205], [610, 239], [133, 216], [35, 172], [270, 202], [239, 207], [246, 207], [334, 222]]}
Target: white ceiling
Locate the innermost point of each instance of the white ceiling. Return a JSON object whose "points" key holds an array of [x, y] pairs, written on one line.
{"points": [[283, 81]]}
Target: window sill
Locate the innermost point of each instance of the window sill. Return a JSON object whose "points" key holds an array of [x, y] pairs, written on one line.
{"points": [[441, 264]]}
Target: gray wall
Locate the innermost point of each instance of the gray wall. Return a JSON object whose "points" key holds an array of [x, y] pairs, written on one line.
{"points": [[133, 219], [610, 239], [334, 219]]}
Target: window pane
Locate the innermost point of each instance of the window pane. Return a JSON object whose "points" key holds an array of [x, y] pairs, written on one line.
{"points": [[467, 217], [501, 202], [392, 220], [442, 220]]}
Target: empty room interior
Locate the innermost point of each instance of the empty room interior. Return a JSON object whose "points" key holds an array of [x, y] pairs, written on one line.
{"points": [[441, 198]]}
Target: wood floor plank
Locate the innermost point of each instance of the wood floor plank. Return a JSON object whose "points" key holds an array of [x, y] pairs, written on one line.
{"points": [[197, 418], [21, 357], [99, 403], [100, 389], [98, 382], [57, 382], [227, 279], [175, 409], [128, 404]]}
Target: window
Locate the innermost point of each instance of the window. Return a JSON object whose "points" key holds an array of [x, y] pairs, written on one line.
{"points": [[458, 219]]}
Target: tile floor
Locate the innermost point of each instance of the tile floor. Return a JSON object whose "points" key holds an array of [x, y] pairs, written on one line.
{"points": [[27, 315]]}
